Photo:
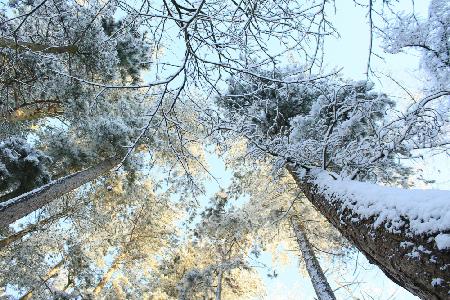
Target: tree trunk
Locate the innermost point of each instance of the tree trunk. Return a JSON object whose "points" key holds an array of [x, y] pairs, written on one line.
{"points": [[19, 207], [13, 194], [16, 45], [219, 284], [318, 279], [115, 265], [426, 275]]}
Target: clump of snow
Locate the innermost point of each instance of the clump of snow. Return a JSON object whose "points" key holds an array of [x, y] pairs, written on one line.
{"points": [[442, 241], [437, 281], [414, 255], [416, 251], [428, 211], [406, 244]]}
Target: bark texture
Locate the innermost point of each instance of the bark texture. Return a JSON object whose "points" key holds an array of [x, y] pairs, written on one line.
{"points": [[13, 194], [318, 279], [19, 207], [383, 248]]}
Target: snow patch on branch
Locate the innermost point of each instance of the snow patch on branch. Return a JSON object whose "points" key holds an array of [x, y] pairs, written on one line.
{"points": [[426, 211], [442, 241], [437, 281]]}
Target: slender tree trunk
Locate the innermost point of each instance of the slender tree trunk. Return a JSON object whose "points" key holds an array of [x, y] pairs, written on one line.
{"points": [[426, 275], [107, 276], [53, 272], [17, 45], [318, 279], [19, 207], [219, 284]]}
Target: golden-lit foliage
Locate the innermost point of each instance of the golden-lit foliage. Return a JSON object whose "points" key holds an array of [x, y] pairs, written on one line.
{"points": [[128, 222], [30, 113], [237, 283]]}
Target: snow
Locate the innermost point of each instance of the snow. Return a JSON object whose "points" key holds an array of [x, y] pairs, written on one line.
{"points": [[413, 255], [428, 211], [437, 281], [32, 158], [406, 244], [442, 241]]}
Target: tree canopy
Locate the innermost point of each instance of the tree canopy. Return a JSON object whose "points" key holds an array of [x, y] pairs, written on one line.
{"points": [[110, 112]]}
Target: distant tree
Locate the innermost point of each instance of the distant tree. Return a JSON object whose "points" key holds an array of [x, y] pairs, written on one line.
{"points": [[213, 262]]}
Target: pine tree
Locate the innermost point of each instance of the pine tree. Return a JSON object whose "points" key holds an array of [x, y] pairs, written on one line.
{"points": [[343, 129]]}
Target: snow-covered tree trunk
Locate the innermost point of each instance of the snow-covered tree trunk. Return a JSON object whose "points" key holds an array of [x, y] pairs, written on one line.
{"points": [[18, 207], [19, 191], [406, 233], [318, 279]]}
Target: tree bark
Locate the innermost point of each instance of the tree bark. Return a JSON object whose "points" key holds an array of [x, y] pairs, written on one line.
{"points": [[384, 248], [13, 194], [19, 207], [17, 45], [318, 279]]}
